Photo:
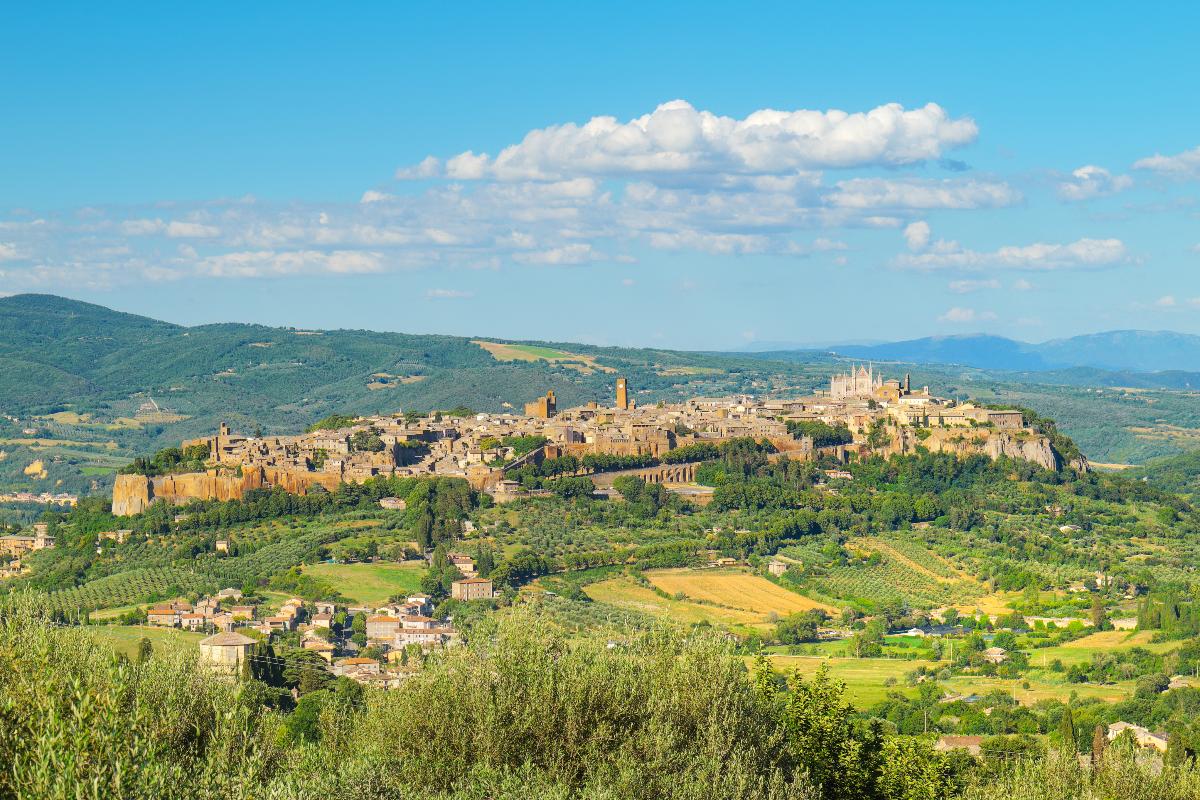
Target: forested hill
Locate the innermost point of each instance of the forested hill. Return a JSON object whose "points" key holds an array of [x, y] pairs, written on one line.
{"points": [[62, 355]]}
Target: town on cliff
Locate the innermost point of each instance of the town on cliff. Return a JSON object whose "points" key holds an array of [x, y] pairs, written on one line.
{"points": [[860, 414]]}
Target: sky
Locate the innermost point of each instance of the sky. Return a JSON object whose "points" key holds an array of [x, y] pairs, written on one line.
{"points": [[699, 176]]}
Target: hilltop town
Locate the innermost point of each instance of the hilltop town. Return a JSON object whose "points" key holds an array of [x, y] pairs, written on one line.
{"points": [[860, 413]]}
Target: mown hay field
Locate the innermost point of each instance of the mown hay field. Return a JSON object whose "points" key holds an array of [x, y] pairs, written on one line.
{"points": [[624, 593], [736, 589]]}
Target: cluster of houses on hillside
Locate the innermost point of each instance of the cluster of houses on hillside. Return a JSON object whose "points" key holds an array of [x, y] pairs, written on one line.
{"points": [[237, 626], [14, 547]]}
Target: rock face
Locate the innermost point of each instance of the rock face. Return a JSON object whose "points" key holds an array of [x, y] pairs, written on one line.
{"points": [[132, 494], [983, 441]]}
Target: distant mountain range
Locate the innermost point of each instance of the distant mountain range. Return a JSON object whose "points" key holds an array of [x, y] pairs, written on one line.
{"points": [[1120, 351]]}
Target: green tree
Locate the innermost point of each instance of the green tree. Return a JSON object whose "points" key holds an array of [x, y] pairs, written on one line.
{"points": [[1066, 729]]}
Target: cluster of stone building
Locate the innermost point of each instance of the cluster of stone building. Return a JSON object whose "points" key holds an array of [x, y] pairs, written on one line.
{"points": [[389, 628], [472, 447], [41, 498], [14, 547]]}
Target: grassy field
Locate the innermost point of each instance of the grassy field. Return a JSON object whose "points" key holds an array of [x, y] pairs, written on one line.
{"points": [[126, 638], [736, 589], [1081, 650], [371, 584], [865, 678], [624, 593], [529, 352], [1042, 686]]}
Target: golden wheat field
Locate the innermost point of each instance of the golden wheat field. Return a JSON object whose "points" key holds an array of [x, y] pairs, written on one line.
{"points": [[733, 589]]}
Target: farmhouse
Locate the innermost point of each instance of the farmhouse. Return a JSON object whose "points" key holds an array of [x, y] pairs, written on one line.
{"points": [[471, 589], [226, 650]]}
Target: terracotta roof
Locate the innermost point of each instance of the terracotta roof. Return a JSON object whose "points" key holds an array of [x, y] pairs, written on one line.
{"points": [[475, 580], [354, 662], [227, 640]]}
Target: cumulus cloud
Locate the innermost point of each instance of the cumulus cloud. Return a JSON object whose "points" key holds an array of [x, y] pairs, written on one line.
{"points": [[960, 315], [1081, 254], [676, 138], [917, 235], [1092, 181], [8, 252], [1182, 165], [878, 193]]}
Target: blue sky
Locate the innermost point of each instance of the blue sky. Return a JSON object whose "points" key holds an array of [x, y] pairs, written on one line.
{"points": [[841, 172]]}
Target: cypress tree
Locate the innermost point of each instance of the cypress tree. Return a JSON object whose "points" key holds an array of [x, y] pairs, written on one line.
{"points": [[1066, 729], [1098, 745]]}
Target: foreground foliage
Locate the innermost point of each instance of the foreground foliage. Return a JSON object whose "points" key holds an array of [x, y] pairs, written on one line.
{"points": [[518, 712]]}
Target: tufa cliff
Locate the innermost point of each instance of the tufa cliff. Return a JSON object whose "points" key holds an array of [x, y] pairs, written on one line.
{"points": [[132, 494]]}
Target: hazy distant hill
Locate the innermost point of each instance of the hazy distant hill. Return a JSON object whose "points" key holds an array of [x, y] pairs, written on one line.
{"points": [[74, 375], [57, 353], [1138, 351]]}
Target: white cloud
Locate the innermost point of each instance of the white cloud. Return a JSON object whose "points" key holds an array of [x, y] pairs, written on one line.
{"points": [[678, 139], [1092, 181], [864, 193], [8, 252], [142, 227], [1081, 254], [1022, 285], [430, 167], [372, 196], [967, 286], [448, 294], [1166, 301], [267, 263], [568, 254], [191, 230], [917, 235], [961, 315], [175, 229], [1181, 165]]}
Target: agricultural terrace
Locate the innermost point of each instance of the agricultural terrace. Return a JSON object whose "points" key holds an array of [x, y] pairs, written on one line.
{"points": [[370, 584]]}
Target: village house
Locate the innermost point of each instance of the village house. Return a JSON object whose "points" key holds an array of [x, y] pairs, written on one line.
{"points": [[350, 667], [463, 563], [471, 589], [382, 628], [776, 567], [1143, 737], [321, 647], [192, 622], [165, 617], [995, 655], [971, 744], [242, 612]]}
